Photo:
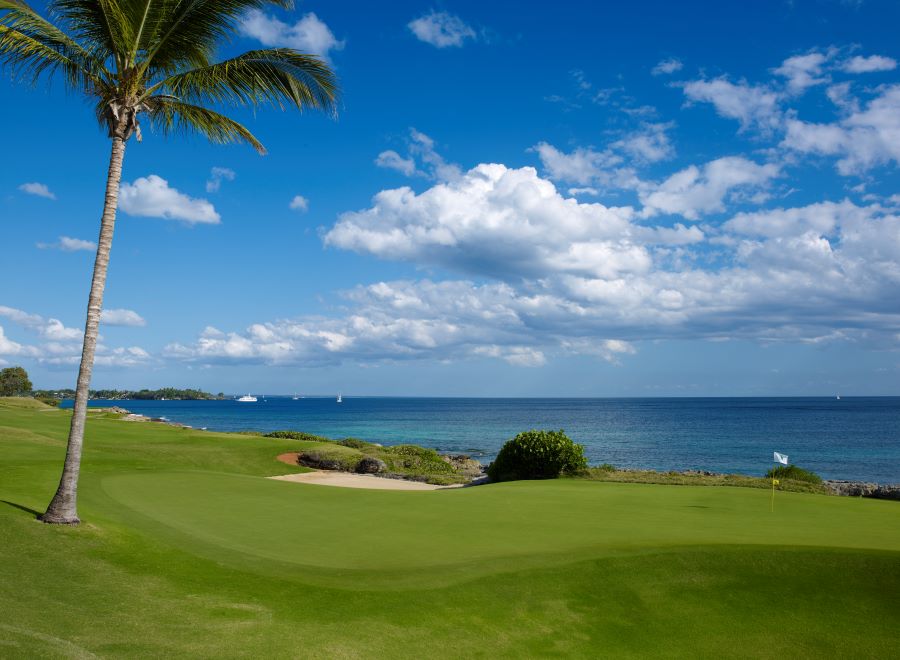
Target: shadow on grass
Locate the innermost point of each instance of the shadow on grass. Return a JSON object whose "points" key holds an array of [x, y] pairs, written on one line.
{"points": [[20, 507]]}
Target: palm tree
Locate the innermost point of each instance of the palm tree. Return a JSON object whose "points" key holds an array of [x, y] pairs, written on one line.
{"points": [[151, 58]]}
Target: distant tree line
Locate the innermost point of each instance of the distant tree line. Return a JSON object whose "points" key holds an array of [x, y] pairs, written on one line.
{"points": [[14, 382], [169, 393]]}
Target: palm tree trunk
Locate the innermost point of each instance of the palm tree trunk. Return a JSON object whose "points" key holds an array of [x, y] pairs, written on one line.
{"points": [[62, 509]]}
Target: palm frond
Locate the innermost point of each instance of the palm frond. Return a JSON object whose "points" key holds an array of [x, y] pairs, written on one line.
{"points": [[31, 44], [102, 23], [277, 76], [171, 115], [193, 28]]}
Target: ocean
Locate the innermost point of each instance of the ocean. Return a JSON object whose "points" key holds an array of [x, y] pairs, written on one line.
{"points": [[856, 438]]}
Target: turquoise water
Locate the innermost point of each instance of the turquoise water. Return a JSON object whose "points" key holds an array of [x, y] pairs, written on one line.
{"points": [[852, 438]]}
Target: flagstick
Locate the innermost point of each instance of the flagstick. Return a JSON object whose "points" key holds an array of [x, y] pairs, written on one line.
{"points": [[773, 494]]}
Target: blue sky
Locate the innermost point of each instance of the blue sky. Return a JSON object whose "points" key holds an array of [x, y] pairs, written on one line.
{"points": [[649, 199]]}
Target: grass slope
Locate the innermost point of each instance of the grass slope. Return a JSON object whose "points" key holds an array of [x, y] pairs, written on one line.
{"points": [[187, 551]]}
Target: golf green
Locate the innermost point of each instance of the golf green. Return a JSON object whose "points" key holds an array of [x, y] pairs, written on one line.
{"points": [[187, 550]]}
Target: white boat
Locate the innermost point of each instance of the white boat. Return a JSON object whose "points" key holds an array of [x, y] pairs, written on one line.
{"points": [[340, 399], [247, 399], [295, 397], [838, 397]]}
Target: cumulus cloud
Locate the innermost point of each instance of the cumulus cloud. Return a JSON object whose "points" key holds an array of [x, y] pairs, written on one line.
{"points": [[582, 165], [9, 347], [69, 244], [37, 189], [422, 159], [804, 71], [863, 139], [860, 64], [751, 105], [308, 35], [649, 144], [441, 29], [390, 159], [152, 197], [122, 317], [696, 191], [667, 66], [216, 176], [59, 345], [299, 203]]}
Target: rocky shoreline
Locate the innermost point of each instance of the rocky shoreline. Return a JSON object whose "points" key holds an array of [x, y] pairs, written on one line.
{"points": [[839, 487], [863, 489]]}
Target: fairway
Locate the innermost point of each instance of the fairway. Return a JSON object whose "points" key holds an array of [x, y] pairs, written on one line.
{"points": [[187, 549]]}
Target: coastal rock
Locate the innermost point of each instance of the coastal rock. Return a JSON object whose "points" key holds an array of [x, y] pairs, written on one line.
{"points": [[317, 461], [464, 465], [864, 489], [371, 465]]}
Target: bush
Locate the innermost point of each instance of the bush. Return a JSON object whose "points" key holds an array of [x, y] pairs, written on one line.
{"points": [[412, 458], [296, 435], [537, 455], [355, 443], [49, 400], [794, 472], [14, 382]]}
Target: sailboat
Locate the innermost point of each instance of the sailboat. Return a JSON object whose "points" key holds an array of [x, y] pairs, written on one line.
{"points": [[295, 397], [838, 397], [340, 399]]}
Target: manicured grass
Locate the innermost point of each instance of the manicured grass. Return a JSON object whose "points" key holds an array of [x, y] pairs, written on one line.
{"points": [[186, 550]]}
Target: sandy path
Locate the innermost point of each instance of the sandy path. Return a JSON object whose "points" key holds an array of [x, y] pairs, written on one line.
{"points": [[349, 480]]}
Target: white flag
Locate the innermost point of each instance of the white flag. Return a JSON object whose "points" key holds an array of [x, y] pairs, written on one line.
{"points": [[781, 458]]}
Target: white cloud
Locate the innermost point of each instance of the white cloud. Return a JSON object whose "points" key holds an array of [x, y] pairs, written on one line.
{"points": [[299, 203], [37, 189], [422, 159], [68, 244], [55, 330], [753, 106], [695, 191], [804, 71], [216, 176], [152, 197], [391, 160], [9, 347], [649, 144], [122, 317], [22, 318], [860, 64], [308, 35], [667, 66], [441, 30], [863, 139], [581, 166]]}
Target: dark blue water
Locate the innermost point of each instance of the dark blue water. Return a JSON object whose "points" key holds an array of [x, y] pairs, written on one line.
{"points": [[851, 438]]}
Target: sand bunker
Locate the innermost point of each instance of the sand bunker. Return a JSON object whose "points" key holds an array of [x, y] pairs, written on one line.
{"points": [[349, 480]]}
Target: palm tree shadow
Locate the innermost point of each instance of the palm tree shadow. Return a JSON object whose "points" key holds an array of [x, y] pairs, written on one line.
{"points": [[21, 507]]}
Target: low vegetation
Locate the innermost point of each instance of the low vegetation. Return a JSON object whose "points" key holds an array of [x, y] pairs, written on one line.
{"points": [[169, 393], [793, 473], [609, 473], [537, 455], [399, 461]]}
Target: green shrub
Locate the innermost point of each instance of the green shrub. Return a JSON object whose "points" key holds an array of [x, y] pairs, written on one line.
{"points": [[411, 458], [49, 400], [297, 435], [537, 455], [794, 472], [606, 467], [355, 443], [332, 457]]}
